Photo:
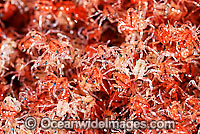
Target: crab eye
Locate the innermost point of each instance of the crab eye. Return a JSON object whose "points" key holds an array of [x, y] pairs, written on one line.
{"points": [[36, 7], [23, 50]]}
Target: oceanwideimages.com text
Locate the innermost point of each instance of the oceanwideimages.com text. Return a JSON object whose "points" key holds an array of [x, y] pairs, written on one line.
{"points": [[129, 125]]}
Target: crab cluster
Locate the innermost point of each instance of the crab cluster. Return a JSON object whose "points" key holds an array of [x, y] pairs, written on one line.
{"points": [[117, 59]]}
